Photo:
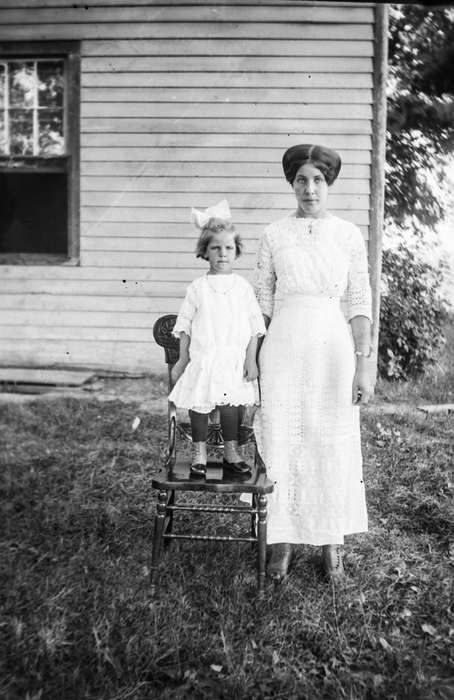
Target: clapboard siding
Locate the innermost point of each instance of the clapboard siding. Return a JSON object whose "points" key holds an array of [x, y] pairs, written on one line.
{"points": [[235, 64], [182, 105], [233, 148], [33, 4], [196, 170], [235, 80], [200, 13], [116, 288], [230, 47], [159, 214], [183, 125], [190, 30], [205, 184], [203, 199], [349, 118], [92, 334], [249, 232], [293, 97]]}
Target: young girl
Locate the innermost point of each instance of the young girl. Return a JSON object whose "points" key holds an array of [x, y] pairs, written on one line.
{"points": [[218, 325]]}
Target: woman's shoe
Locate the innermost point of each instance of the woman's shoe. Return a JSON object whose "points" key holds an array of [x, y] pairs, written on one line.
{"points": [[198, 470], [281, 555], [240, 468], [332, 561]]}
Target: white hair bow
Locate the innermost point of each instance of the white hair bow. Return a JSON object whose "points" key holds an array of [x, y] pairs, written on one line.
{"points": [[219, 211]]}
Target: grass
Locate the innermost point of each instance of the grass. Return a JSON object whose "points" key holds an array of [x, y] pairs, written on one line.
{"points": [[78, 620]]}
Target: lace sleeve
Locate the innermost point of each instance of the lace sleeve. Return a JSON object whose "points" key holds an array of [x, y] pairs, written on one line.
{"points": [[186, 313], [359, 297], [255, 314], [265, 277]]}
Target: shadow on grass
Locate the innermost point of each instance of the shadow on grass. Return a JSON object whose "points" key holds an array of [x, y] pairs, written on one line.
{"points": [[78, 619]]}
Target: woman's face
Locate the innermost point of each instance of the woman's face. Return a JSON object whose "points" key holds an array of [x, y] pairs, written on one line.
{"points": [[311, 191]]}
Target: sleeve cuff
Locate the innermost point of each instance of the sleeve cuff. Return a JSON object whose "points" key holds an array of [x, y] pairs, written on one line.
{"points": [[359, 311], [181, 326]]}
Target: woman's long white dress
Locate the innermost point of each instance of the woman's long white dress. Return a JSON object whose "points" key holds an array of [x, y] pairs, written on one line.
{"points": [[220, 313], [307, 427]]}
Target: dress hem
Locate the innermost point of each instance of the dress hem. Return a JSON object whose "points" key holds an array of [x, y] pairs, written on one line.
{"points": [[315, 541], [204, 409]]}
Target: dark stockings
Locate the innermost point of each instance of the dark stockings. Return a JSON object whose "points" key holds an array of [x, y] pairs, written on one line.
{"points": [[229, 416]]}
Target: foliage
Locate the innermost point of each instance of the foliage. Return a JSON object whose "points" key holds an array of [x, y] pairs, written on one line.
{"points": [[420, 141], [420, 112], [78, 620], [412, 312]]}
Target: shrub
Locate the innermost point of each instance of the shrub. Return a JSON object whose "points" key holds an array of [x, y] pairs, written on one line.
{"points": [[413, 312]]}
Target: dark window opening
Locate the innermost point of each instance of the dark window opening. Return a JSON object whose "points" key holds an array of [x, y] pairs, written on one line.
{"points": [[33, 213]]}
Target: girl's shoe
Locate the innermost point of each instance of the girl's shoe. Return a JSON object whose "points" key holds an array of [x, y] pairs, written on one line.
{"points": [[332, 561], [281, 555], [240, 468], [198, 470]]}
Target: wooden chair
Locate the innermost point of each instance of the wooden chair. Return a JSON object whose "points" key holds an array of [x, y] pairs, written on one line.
{"points": [[174, 478]]}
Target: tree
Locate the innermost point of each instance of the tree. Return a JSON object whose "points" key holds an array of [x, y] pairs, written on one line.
{"points": [[420, 112], [420, 142]]}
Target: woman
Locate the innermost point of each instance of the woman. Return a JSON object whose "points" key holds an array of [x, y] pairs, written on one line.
{"points": [[313, 366]]}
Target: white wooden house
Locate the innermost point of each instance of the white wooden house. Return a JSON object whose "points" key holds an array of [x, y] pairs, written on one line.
{"points": [[117, 116]]}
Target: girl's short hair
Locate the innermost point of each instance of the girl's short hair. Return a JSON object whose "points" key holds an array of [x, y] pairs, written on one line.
{"points": [[211, 228]]}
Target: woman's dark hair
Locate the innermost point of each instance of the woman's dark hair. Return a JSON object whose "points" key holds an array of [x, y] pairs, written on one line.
{"points": [[211, 228], [324, 159]]}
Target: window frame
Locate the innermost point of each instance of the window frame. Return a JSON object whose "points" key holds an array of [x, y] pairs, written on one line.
{"points": [[69, 51]]}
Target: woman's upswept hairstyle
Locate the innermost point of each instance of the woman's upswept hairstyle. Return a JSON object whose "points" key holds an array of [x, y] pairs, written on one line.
{"points": [[324, 159], [213, 226]]}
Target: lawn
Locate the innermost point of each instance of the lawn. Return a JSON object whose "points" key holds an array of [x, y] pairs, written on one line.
{"points": [[77, 617]]}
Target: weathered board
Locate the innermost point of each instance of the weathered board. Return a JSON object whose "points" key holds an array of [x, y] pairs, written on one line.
{"points": [[25, 375]]}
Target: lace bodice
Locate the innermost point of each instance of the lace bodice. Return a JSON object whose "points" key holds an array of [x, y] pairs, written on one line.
{"points": [[316, 257]]}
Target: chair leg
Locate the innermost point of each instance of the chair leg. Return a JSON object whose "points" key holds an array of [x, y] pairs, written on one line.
{"points": [[261, 542], [169, 519], [254, 506], [159, 522]]}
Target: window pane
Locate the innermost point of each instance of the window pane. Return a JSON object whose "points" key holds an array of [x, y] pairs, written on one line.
{"points": [[51, 141], [50, 83], [33, 213], [21, 132], [22, 84], [2, 84]]}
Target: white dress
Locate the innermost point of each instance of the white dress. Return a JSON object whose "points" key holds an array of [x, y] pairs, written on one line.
{"points": [[221, 314], [307, 428]]}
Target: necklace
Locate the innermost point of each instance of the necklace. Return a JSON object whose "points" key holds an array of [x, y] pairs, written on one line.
{"points": [[220, 291], [307, 231]]}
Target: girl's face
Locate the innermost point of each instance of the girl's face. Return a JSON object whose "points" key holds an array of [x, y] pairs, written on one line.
{"points": [[311, 191], [221, 253]]}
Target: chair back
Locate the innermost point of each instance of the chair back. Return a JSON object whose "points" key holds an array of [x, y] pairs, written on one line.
{"points": [[162, 333]]}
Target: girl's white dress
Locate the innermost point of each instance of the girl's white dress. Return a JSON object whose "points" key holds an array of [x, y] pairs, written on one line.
{"points": [[221, 314], [307, 428]]}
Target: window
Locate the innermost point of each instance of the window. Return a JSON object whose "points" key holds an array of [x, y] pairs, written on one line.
{"points": [[39, 152]]}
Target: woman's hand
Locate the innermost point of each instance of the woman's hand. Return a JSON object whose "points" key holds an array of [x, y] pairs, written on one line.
{"points": [[251, 371], [362, 386]]}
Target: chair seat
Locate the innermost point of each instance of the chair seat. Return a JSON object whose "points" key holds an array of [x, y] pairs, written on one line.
{"points": [[178, 478]]}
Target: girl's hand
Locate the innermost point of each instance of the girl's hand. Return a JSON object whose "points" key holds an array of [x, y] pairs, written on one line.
{"points": [[251, 371], [362, 386]]}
